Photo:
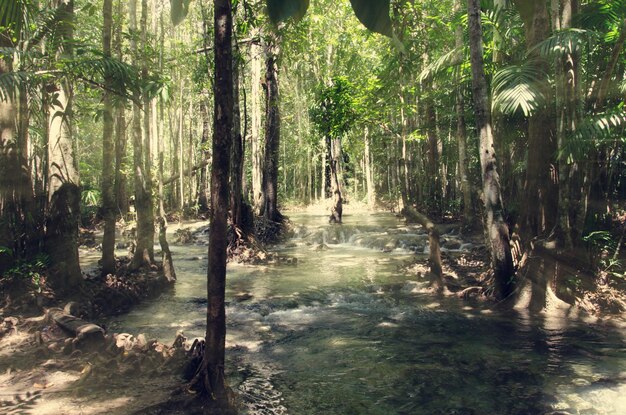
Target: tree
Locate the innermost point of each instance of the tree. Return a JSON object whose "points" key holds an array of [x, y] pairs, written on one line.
{"points": [[108, 152], [272, 130], [211, 374], [497, 229], [61, 239], [144, 249], [334, 115]]}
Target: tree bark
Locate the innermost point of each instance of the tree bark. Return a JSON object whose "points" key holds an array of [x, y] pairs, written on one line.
{"points": [[256, 56], [272, 132], [108, 151], [336, 212], [61, 241], [497, 229], [236, 161], [212, 369], [369, 177], [144, 250], [461, 133], [541, 193], [16, 194], [203, 197], [120, 128]]}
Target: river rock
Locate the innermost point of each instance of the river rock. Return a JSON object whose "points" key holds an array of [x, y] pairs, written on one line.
{"points": [[581, 382]]}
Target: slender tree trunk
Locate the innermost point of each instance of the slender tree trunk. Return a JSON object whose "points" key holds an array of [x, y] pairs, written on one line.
{"points": [[120, 127], [212, 370], [203, 197], [108, 152], [541, 195], [566, 98], [461, 133], [144, 249], [336, 212], [272, 132], [498, 231], [369, 177], [63, 217], [256, 56], [236, 163], [179, 148], [434, 181]]}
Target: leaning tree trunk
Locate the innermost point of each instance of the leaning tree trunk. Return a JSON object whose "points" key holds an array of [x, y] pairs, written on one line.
{"points": [[272, 133], [61, 240], [144, 249], [211, 374], [498, 231], [108, 150]]}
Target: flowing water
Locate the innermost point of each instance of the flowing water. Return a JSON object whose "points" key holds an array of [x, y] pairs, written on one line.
{"points": [[344, 329]]}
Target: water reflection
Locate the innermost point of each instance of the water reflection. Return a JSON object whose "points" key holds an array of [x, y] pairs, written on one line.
{"points": [[345, 331]]}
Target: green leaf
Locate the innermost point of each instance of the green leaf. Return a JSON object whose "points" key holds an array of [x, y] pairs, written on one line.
{"points": [[179, 9], [374, 14], [281, 10]]}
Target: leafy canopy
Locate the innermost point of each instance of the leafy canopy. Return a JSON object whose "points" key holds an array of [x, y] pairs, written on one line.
{"points": [[335, 111]]}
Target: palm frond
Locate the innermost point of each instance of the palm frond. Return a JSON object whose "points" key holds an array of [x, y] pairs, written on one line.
{"points": [[565, 42], [14, 16], [97, 67], [453, 58], [591, 131], [517, 87], [602, 126], [10, 83]]}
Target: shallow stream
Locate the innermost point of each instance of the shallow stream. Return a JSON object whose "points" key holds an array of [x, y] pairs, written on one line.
{"points": [[344, 330]]}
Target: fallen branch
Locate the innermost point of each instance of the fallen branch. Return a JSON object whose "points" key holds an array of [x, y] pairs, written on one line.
{"points": [[78, 328]]}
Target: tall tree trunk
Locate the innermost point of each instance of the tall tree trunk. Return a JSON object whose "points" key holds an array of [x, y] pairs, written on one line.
{"points": [[272, 132], [256, 59], [63, 217], [434, 180], [108, 151], [236, 162], [541, 194], [16, 194], [566, 98], [120, 126], [211, 374], [461, 132], [369, 177], [336, 212], [203, 197], [179, 148], [498, 231], [144, 249]]}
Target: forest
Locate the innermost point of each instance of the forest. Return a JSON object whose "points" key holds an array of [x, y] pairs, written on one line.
{"points": [[273, 206]]}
